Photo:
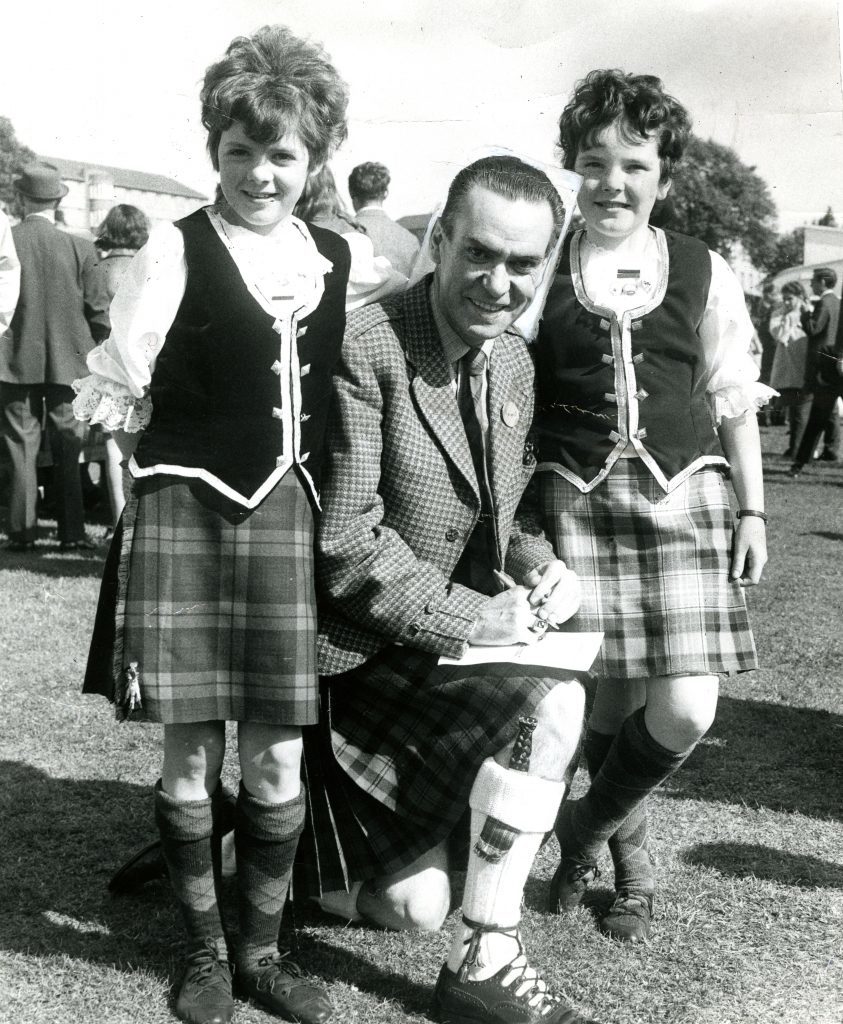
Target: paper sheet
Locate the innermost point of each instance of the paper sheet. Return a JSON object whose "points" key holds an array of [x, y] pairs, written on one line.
{"points": [[573, 651]]}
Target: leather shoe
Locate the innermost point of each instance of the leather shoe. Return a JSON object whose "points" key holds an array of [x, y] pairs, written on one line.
{"points": [[515, 995], [20, 546], [283, 988], [144, 866], [569, 883], [83, 544], [205, 992], [628, 918]]}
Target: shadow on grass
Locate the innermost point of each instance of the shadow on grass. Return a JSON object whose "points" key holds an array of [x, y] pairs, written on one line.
{"points": [[768, 755], [50, 563], [750, 860], [826, 534], [62, 840], [340, 964]]}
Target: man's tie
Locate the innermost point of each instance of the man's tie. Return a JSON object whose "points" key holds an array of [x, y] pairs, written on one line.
{"points": [[481, 555], [475, 418]]}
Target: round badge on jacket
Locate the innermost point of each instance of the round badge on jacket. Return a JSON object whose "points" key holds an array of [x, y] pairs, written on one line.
{"points": [[510, 413]]}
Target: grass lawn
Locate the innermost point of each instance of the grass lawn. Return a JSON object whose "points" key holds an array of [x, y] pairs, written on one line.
{"points": [[748, 835]]}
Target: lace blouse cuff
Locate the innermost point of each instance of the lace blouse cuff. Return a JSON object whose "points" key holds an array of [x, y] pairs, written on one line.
{"points": [[733, 400], [99, 400]]}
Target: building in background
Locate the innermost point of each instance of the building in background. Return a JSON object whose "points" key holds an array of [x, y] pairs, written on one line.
{"points": [[94, 188], [823, 248]]}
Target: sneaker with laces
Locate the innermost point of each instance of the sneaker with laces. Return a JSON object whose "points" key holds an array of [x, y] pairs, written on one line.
{"points": [[628, 919], [205, 991], [569, 883], [283, 988]]}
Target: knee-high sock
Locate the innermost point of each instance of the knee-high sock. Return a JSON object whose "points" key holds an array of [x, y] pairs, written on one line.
{"points": [[191, 853], [528, 805], [265, 837], [634, 766], [628, 846]]}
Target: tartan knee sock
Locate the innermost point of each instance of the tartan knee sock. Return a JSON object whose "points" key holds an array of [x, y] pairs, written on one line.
{"points": [[628, 846], [634, 766], [526, 806], [265, 838], [191, 853]]}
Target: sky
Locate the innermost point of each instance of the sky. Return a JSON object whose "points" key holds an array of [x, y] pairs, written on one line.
{"points": [[434, 81]]}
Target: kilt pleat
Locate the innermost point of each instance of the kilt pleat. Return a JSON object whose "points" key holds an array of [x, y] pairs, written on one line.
{"points": [[654, 571], [211, 607], [391, 764]]}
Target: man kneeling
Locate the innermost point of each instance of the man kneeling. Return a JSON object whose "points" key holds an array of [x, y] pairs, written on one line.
{"points": [[426, 468]]}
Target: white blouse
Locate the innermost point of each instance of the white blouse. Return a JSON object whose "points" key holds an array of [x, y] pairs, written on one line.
{"points": [[726, 331]]}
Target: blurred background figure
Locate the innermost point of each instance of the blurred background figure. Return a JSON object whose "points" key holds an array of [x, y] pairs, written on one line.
{"points": [[61, 314], [368, 186], [371, 277], [124, 231], [787, 373], [766, 308]]}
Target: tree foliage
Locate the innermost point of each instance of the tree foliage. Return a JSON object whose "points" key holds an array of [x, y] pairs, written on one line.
{"points": [[788, 251], [722, 201], [13, 156], [827, 220]]}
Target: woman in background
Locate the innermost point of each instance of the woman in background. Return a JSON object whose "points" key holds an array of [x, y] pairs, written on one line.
{"points": [[124, 231]]}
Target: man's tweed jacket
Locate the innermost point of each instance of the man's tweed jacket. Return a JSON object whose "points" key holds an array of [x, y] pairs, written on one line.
{"points": [[400, 496]]}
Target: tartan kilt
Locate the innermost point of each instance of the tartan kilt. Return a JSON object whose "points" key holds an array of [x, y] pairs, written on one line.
{"points": [[213, 603], [653, 568], [391, 764]]}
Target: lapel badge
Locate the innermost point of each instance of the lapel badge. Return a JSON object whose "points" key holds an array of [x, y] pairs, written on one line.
{"points": [[510, 413]]}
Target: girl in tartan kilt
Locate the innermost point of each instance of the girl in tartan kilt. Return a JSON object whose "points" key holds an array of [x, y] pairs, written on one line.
{"points": [[647, 401], [226, 330]]}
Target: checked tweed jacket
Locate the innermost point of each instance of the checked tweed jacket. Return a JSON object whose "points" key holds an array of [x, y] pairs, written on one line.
{"points": [[400, 496]]}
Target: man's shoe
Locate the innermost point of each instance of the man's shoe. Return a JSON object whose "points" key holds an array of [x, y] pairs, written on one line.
{"points": [[20, 546], [83, 544], [515, 995], [569, 883], [795, 470], [205, 993], [283, 988], [628, 919], [828, 456], [144, 866]]}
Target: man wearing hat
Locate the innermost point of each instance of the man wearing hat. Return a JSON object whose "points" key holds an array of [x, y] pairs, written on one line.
{"points": [[61, 314]]}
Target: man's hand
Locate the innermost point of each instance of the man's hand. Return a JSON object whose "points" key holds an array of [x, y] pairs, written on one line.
{"points": [[555, 591], [749, 551], [506, 618]]}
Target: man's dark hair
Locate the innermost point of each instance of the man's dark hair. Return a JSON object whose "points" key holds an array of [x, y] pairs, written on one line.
{"points": [[368, 183], [826, 276], [506, 176]]}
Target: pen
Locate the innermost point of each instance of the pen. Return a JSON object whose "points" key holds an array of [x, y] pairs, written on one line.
{"points": [[509, 583]]}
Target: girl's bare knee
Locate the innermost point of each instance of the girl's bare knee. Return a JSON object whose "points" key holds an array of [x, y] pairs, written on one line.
{"points": [[193, 756], [270, 760]]}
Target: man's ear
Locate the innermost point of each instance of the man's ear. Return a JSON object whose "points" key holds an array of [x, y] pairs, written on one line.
{"points": [[664, 188], [436, 236]]}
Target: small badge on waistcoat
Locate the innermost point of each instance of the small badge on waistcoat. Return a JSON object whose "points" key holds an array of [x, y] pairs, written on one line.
{"points": [[510, 413]]}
